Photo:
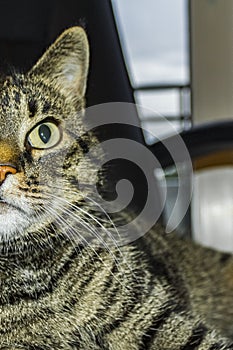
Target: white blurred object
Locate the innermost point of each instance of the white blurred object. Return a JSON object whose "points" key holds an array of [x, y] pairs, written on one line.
{"points": [[212, 208]]}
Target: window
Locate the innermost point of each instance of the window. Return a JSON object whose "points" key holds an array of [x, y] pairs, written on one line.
{"points": [[155, 41]]}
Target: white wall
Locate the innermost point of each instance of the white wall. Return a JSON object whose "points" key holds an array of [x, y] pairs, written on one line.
{"points": [[212, 59]]}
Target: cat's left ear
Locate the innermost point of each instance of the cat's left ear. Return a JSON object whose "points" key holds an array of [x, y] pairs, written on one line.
{"points": [[65, 63]]}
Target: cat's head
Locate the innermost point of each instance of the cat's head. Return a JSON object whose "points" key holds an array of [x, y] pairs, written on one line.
{"points": [[40, 118]]}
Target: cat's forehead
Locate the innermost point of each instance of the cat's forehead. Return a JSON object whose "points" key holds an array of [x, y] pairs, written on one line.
{"points": [[17, 91], [23, 99]]}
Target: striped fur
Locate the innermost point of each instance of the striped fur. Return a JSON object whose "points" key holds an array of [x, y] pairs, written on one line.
{"points": [[59, 287]]}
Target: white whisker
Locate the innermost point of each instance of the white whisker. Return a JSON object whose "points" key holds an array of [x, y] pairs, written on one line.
{"points": [[89, 228], [63, 221], [95, 219]]}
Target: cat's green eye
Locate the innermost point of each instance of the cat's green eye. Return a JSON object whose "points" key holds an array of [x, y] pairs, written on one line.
{"points": [[44, 135]]}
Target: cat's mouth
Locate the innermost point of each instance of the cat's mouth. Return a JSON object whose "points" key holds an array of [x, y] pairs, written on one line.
{"points": [[6, 206], [3, 201], [13, 218]]}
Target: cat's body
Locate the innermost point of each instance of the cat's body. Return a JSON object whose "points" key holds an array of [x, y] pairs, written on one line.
{"points": [[62, 290], [65, 298]]}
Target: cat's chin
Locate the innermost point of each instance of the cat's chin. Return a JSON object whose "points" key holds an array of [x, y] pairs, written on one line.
{"points": [[13, 222]]}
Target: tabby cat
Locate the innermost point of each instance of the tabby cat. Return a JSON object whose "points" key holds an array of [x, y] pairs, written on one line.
{"points": [[62, 290]]}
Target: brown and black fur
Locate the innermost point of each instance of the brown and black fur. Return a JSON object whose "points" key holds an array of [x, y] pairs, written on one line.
{"points": [[59, 290]]}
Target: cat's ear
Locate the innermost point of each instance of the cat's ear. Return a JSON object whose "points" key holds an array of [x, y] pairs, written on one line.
{"points": [[65, 63]]}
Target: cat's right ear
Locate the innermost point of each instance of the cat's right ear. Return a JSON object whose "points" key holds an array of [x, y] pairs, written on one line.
{"points": [[65, 63]]}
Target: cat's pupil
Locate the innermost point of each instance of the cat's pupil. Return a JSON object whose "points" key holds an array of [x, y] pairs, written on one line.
{"points": [[44, 133]]}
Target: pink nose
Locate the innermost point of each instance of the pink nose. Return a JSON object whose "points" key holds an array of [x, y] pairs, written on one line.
{"points": [[4, 170]]}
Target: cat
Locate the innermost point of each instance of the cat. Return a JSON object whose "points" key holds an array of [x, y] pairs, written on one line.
{"points": [[59, 288]]}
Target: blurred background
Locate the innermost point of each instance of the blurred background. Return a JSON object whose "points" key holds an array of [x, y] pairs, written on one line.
{"points": [[179, 55], [174, 57]]}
